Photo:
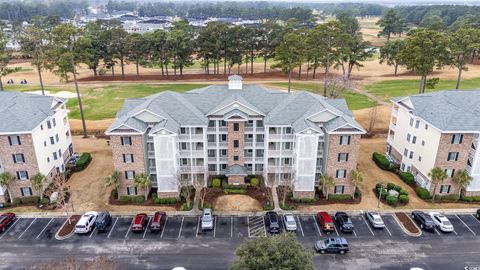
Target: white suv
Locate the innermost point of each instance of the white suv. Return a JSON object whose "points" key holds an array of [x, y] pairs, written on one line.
{"points": [[207, 219], [86, 222], [442, 222]]}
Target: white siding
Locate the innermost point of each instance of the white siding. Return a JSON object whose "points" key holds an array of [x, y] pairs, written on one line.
{"points": [[305, 162], [166, 162]]}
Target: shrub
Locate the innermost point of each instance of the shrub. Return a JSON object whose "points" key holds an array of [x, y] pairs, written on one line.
{"points": [[304, 200], [31, 199], [254, 182], [381, 161], [165, 200], [423, 193], [403, 192], [267, 206], [154, 196], [205, 205], [235, 186], [390, 186], [185, 207], [339, 197], [115, 193], [132, 199], [391, 200], [397, 188], [234, 191], [216, 183], [17, 201], [124, 199], [83, 161], [407, 177], [403, 199], [287, 206], [377, 186], [471, 199], [44, 201], [138, 199], [450, 197]]}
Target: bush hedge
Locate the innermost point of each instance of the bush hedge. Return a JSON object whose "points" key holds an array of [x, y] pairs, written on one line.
{"points": [[403, 199], [132, 199], [235, 187], [234, 191], [304, 200], [254, 182], [381, 161], [26, 200], [339, 197], [83, 161], [407, 177], [450, 197], [423, 193], [390, 186], [185, 207], [471, 199], [397, 188], [165, 200], [216, 183], [287, 206], [391, 200], [267, 206], [403, 192]]}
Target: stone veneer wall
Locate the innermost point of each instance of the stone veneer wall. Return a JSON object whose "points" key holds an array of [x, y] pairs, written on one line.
{"points": [[138, 165], [446, 146], [31, 164], [332, 164]]}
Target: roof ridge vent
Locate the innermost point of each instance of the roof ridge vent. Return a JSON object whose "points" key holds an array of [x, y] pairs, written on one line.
{"points": [[235, 82]]}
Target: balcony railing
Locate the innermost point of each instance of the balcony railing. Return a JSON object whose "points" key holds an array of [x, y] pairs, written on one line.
{"points": [[260, 144], [193, 153], [194, 169], [277, 153], [279, 169], [193, 137], [278, 137]]}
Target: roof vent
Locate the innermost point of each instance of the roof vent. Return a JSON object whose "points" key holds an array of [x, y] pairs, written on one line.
{"points": [[235, 82]]}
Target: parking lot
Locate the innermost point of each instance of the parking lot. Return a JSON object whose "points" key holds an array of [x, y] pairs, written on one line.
{"points": [[226, 227]]}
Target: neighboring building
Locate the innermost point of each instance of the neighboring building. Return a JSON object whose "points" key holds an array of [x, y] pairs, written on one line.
{"points": [[439, 129], [34, 137], [235, 130]]}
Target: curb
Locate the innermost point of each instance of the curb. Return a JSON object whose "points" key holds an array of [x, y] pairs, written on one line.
{"points": [[405, 229], [60, 238]]}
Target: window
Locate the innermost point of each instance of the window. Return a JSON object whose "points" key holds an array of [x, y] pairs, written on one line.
{"points": [[259, 152], [450, 172], [341, 174], [223, 167], [223, 152], [414, 139], [67, 134], [342, 157], [45, 143], [420, 158], [129, 175], [235, 158], [236, 127], [184, 161], [127, 158], [126, 140], [211, 138], [26, 191], [288, 130], [457, 138], [48, 159], [52, 140], [49, 124], [426, 126], [417, 123], [223, 137], [54, 122], [423, 143], [183, 146], [183, 130], [235, 143], [259, 123], [411, 122], [212, 167], [287, 161], [131, 190], [402, 167], [18, 158], [55, 157], [59, 152], [211, 123], [445, 189], [405, 152], [14, 140], [41, 127], [223, 123], [345, 140], [57, 138], [339, 189], [408, 137], [410, 156], [452, 156], [211, 153], [288, 146], [22, 175]]}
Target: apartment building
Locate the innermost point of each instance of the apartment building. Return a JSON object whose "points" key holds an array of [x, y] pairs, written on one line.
{"points": [[34, 138], [439, 129], [235, 130]]}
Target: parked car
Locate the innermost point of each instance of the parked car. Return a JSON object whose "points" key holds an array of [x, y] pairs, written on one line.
{"points": [[86, 222], [290, 223], [326, 222], [5, 221], [332, 245], [140, 222], [207, 219], [344, 222], [375, 220], [103, 220], [423, 220], [442, 222], [73, 159], [271, 221], [478, 214], [158, 221]]}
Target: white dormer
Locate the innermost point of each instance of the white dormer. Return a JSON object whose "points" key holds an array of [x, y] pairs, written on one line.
{"points": [[235, 82]]}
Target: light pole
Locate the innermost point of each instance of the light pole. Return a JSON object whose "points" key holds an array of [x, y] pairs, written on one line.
{"points": [[380, 194]]}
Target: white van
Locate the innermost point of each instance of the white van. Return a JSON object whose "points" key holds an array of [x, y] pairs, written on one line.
{"points": [[86, 222]]}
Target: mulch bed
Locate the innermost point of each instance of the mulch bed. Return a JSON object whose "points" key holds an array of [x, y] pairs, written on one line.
{"points": [[258, 193], [321, 201], [68, 228], [149, 202], [384, 201], [212, 195], [407, 222]]}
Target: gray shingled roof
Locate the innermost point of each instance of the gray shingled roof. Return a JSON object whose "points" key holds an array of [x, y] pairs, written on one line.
{"points": [[280, 108], [22, 112], [450, 110]]}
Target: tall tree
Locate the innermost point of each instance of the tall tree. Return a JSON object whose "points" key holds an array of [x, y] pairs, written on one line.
{"points": [[6, 179], [462, 178], [357, 180], [143, 182], [437, 175], [64, 55], [327, 182], [461, 45], [390, 53], [114, 181], [181, 45], [351, 24], [433, 22], [288, 54], [118, 46], [136, 49], [160, 50], [281, 251], [38, 181], [391, 23], [354, 51], [5, 57], [270, 38]]}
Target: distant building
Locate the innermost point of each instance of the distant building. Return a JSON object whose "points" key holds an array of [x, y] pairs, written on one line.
{"points": [[235, 131]]}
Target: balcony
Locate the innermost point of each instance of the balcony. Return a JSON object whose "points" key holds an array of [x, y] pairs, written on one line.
{"points": [[248, 129], [212, 159], [260, 144], [188, 137], [279, 169], [151, 154], [392, 126], [278, 137], [258, 159], [277, 153], [192, 169], [193, 153]]}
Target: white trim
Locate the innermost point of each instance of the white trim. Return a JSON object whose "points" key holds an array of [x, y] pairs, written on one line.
{"points": [[360, 130], [326, 109], [147, 110], [230, 104], [109, 131]]}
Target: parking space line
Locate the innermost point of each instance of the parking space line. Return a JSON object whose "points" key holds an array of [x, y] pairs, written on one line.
{"points": [[44, 228], [181, 226], [335, 229], [231, 226], [129, 227], [436, 230], [5, 232], [164, 226], [248, 226], [387, 229], [111, 229], [198, 226], [466, 225], [27, 228], [455, 232], [300, 225], [264, 230], [474, 217], [93, 231], [368, 226], [316, 225], [354, 233], [214, 226], [148, 225]]}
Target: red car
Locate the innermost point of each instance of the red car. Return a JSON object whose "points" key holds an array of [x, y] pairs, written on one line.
{"points": [[158, 221], [5, 221], [326, 222], [140, 222]]}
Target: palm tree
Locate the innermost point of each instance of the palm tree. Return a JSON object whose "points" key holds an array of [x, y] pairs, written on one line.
{"points": [[6, 180], [357, 180], [327, 183], [37, 183], [462, 179], [144, 182], [437, 175], [114, 180]]}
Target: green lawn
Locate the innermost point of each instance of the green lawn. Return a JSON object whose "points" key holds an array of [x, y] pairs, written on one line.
{"points": [[354, 100], [395, 88]]}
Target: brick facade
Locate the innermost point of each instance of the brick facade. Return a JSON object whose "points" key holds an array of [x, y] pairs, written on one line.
{"points": [[236, 151], [303, 194], [332, 163], [395, 155], [236, 179], [138, 165]]}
